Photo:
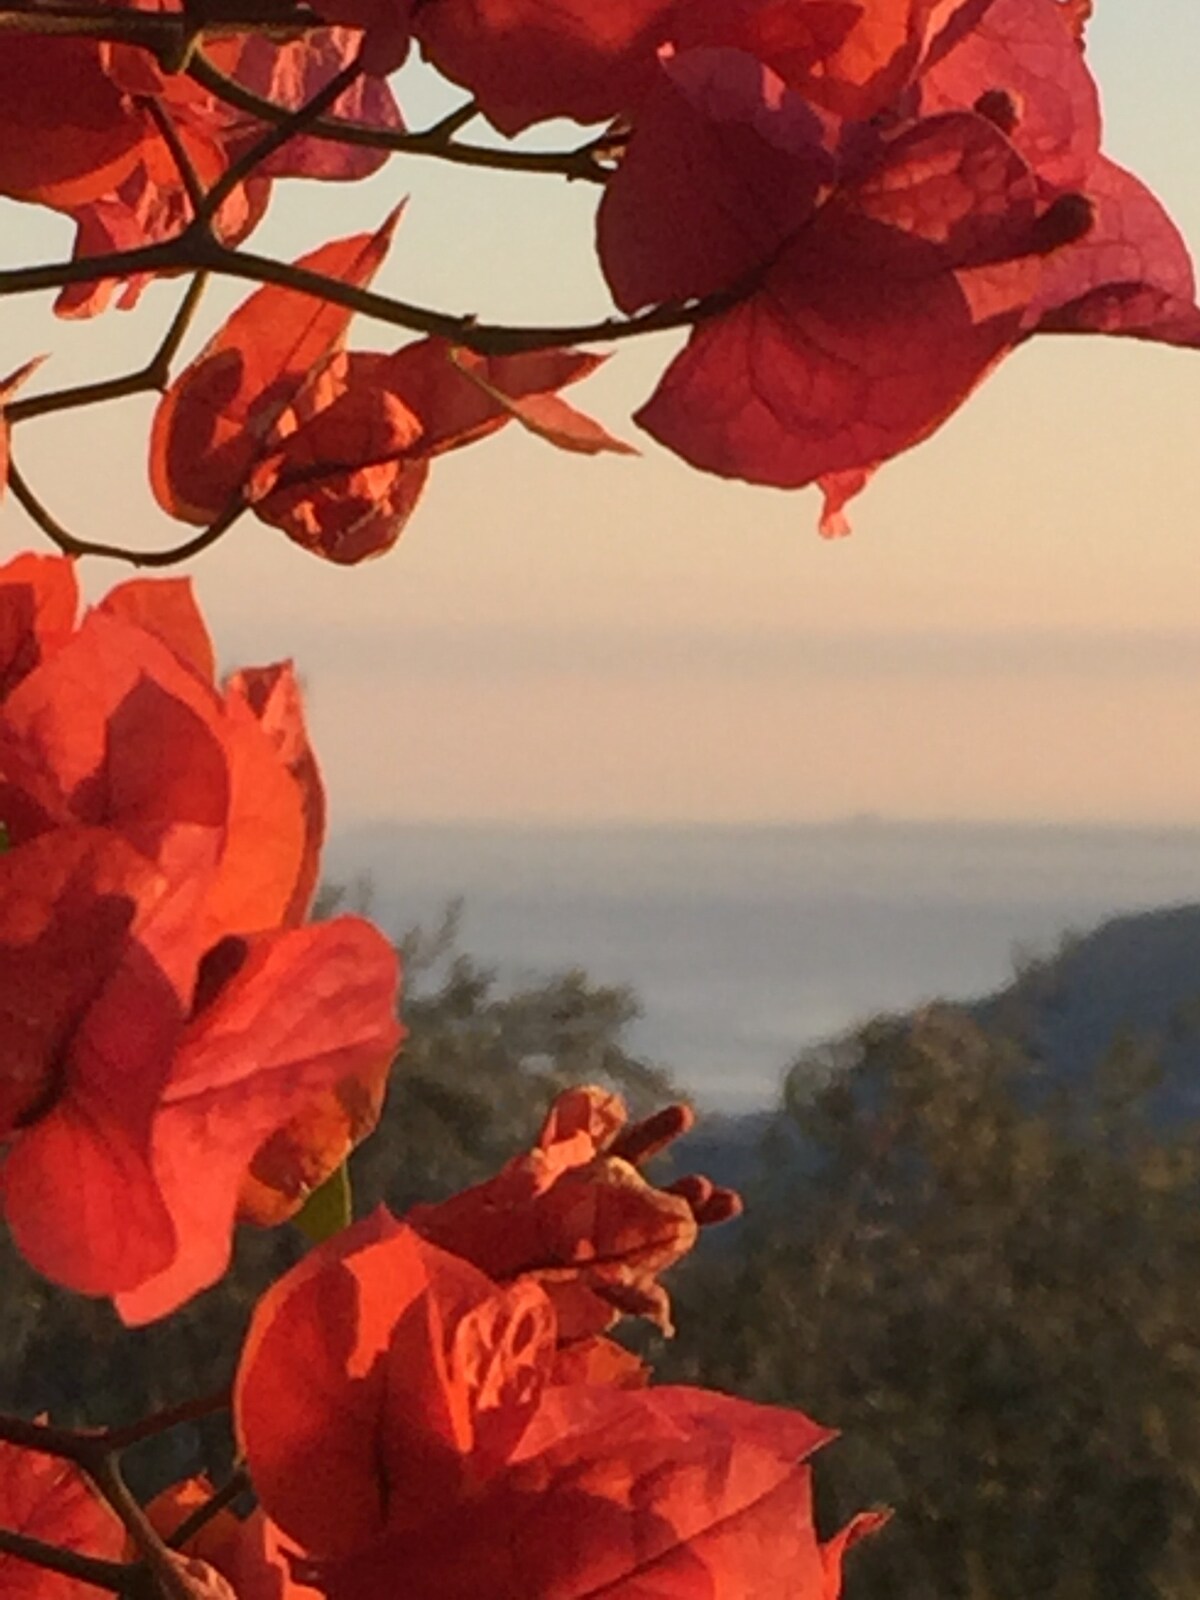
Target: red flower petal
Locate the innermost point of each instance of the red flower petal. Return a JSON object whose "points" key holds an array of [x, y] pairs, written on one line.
{"points": [[352, 453], [273, 695], [398, 1374], [80, 1198], [584, 1221], [39, 596], [639, 1494], [525, 60], [166, 607], [1025, 51], [872, 327], [68, 133], [215, 421], [290, 72], [724, 165], [307, 1008], [1130, 274], [51, 1500], [129, 735]]}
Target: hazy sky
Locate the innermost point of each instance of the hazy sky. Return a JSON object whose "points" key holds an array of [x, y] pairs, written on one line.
{"points": [[1013, 631]]}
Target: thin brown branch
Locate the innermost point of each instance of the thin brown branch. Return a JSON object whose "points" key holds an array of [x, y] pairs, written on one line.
{"points": [[198, 250], [154, 376], [192, 250], [70, 1444], [161, 1562], [115, 1576], [165, 255], [436, 141], [483, 337], [446, 127], [72, 544], [85, 1444], [80, 394], [295, 123], [159, 366], [188, 176], [213, 1506], [169, 36], [95, 1452]]}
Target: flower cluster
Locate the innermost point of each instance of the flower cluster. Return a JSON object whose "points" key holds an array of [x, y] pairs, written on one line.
{"points": [[177, 1047], [436, 1402], [426, 1403], [858, 207]]}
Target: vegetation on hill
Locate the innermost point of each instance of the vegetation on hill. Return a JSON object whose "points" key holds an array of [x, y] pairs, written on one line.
{"points": [[981, 1261], [988, 1280]]}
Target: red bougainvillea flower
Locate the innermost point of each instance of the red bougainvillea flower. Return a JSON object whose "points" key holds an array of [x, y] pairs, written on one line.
{"points": [[527, 60], [217, 418], [246, 1552], [69, 134], [403, 1426], [334, 448], [99, 154], [130, 1115], [386, 30], [352, 456], [50, 1499], [576, 1214], [174, 1043], [38, 601], [866, 275], [120, 725]]}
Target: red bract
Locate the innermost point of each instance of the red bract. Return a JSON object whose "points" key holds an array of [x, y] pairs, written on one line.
{"points": [[144, 200], [289, 74], [635, 1496], [576, 1214], [334, 447], [246, 1553], [121, 726], [307, 1010], [174, 1044], [215, 421], [39, 597], [527, 60], [352, 457], [849, 57], [385, 25], [403, 1424], [131, 1115], [420, 1378], [68, 133], [51, 1500], [882, 269], [873, 324]]}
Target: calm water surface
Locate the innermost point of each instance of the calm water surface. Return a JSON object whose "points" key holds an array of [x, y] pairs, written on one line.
{"points": [[745, 944]]}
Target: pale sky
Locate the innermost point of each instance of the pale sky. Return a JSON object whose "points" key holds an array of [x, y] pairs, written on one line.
{"points": [[1012, 632]]}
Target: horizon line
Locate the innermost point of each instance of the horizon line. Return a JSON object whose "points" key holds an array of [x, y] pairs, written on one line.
{"points": [[865, 822]]}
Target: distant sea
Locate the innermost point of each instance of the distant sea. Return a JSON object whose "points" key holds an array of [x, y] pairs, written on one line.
{"points": [[745, 944]]}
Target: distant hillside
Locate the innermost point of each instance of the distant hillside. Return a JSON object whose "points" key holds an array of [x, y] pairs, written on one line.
{"points": [[1134, 977], [1137, 977]]}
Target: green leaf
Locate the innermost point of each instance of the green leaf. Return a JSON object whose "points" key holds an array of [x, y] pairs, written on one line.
{"points": [[328, 1209]]}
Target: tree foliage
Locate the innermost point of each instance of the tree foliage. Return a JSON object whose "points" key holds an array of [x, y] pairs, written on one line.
{"points": [[987, 1278]]}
